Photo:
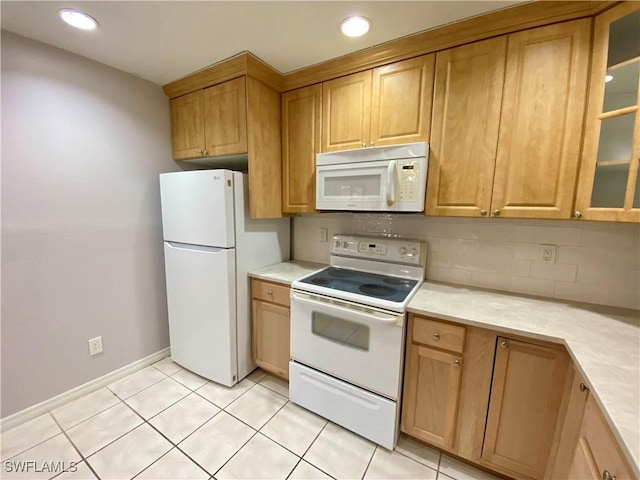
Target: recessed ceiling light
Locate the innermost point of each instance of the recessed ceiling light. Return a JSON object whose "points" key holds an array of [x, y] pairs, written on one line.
{"points": [[355, 26], [77, 18], [608, 78]]}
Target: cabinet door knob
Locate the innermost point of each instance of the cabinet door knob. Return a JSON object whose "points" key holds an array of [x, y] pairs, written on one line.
{"points": [[436, 336], [583, 387], [205, 153], [577, 214], [373, 144], [364, 144], [269, 292], [456, 363], [607, 476], [202, 151], [504, 345], [483, 213], [496, 213]]}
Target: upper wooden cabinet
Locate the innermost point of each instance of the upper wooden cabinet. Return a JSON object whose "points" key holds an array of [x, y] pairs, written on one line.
{"points": [[466, 117], [225, 118], [238, 117], [526, 394], [521, 158], [609, 186], [383, 106], [301, 127], [210, 122]]}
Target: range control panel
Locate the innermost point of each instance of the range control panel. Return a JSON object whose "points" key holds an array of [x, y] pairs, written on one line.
{"points": [[398, 250]]}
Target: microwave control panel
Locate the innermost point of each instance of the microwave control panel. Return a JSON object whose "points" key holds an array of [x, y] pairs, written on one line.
{"points": [[408, 178]]}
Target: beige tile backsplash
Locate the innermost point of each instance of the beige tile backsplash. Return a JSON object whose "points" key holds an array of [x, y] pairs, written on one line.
{"points": [[595, 262]]}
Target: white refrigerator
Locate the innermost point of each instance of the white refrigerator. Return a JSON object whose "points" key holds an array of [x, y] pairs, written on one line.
{"points": [[210, 244]]}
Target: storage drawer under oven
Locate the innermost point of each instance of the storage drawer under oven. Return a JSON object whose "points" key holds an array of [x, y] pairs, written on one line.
{"points": [[362, 412]]}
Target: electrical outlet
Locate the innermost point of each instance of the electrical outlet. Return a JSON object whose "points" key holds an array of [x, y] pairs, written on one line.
{"points": [[324, 234], [95, 346], [548, 254]]}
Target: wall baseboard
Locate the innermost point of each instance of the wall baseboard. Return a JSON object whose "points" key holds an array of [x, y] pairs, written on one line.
{"points": [[36, 410]]}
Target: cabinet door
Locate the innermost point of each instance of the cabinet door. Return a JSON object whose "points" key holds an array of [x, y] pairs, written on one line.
{"points": [[226, 118], [187, 125], [401, 101], [609, 186], [301, 120], [346, 112], [271, 338], [466, 118], [526, 392], [431, 391], [597, 451], [541, 123]]}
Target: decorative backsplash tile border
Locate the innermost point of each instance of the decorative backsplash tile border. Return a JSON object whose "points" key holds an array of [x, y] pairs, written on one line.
{"points": [[595, 262]]}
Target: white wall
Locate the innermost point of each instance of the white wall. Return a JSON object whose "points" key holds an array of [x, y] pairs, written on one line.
{"points": [[82, 146], [596, 262]]}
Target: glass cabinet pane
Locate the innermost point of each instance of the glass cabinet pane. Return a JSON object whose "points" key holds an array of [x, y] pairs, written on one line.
{"points": [[624, 41], [621, 87], [609, 186], [616, 138]]}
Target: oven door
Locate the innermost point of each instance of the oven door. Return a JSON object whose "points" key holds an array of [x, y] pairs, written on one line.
{"points": [[361, 345]]}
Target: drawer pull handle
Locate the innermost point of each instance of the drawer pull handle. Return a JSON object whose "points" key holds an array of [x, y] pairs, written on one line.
{"points": [[436, 336], [504, 345], [269, 292], [607, 476], [456, 363], [583, 387]]}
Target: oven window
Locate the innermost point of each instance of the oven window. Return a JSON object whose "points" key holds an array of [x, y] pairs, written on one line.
{"points": [[352, 186], [344, 332]]}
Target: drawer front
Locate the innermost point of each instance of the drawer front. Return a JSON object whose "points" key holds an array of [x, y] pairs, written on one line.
{"points": [[270, 292], [438, 334]]}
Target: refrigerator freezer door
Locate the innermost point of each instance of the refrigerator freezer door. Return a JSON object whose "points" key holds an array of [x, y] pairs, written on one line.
{"points": [[201, 298], [197, 207]]}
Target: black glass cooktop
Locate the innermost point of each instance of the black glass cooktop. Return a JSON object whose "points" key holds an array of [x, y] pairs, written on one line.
{"points": [[384, 287]]}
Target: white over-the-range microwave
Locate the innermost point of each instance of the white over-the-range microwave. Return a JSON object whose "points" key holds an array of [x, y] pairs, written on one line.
{"points": [[376, 179]]}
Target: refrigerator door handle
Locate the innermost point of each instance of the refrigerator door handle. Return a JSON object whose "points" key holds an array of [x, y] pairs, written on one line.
{"points": [[195, 248]]}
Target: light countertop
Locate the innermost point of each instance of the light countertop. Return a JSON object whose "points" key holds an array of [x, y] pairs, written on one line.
{"points": [[286, 272], [604, 342]]}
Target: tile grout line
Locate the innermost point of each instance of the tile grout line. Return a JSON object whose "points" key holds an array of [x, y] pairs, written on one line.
{"points": [[370, 459], [74, 447], [309, 447]]}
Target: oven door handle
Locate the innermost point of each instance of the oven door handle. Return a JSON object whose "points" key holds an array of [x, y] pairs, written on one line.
{"points": [[380, 317]]}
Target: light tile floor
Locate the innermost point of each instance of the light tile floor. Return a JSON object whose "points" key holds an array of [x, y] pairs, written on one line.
{"points": [[164, 422]]}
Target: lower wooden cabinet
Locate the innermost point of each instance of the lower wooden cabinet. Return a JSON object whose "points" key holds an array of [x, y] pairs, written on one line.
{"points": [[431, 397], [526, 395], [587, 448], [270, 324]]}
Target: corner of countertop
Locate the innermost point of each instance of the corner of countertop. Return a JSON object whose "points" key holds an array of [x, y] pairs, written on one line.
{"points": [[286, 272]]}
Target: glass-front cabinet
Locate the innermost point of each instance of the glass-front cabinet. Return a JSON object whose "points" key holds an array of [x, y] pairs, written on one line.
{"points": [[609, 185]]}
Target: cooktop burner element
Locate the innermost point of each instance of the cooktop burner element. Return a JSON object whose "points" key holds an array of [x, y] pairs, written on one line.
{"points": [[321, 281], [376, 290], [396, 281], [339, 272]]}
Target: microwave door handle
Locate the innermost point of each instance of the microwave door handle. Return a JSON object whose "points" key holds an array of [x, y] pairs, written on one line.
{"points": [[392, 178]]}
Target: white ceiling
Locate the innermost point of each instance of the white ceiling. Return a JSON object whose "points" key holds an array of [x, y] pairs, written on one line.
{"points": [[162, 41]]}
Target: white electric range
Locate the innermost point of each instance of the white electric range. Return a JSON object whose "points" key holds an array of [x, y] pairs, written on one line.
{"points": [[347, 333]]}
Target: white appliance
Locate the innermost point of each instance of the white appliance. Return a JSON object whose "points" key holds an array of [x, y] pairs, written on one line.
{"points": [[210, 244], [347, 333], [391, 179]]}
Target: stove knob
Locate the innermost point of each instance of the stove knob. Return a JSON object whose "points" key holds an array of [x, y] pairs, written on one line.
{"points": [[414, 252], [403, 251], [345, 244], [337, 243]]}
